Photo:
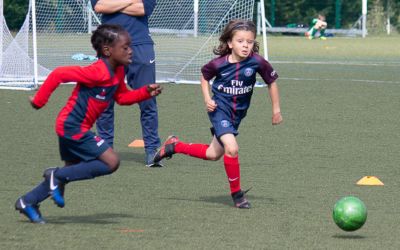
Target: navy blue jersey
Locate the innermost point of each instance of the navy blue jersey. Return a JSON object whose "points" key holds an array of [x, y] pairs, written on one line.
{"points": [[234, 82], [137, 26]]}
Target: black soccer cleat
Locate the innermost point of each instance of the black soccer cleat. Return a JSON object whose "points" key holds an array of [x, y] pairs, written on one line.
{"points": [[150, 163], [167, 149], [240, 201]]}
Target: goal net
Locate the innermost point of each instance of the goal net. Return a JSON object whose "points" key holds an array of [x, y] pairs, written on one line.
{"points": [[185, 34], [58, 32]]}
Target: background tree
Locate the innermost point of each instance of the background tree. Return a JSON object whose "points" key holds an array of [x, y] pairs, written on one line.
{"points": [[302, 11], [15, 12]]}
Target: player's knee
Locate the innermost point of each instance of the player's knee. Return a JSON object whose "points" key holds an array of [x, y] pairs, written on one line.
{"points": [[232, 151], [214, 153], [114, 163]]}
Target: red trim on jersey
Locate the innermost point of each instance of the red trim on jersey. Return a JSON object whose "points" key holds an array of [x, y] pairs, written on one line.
{"points": [[234, 104]]}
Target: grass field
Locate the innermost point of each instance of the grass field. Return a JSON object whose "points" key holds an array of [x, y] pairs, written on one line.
{"points": [[340, 103]]}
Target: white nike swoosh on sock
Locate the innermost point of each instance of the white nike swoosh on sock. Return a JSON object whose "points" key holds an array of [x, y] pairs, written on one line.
{"points": [[52, 186], [234, 179]]}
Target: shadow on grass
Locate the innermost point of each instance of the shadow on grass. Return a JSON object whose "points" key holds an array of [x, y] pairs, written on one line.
{"points": [[348, 236], [132, 156], [222, 199], [103, 218]]}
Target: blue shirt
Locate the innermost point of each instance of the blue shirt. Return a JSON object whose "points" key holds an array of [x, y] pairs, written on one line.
{"points": [[234, 82], [137, 26]]}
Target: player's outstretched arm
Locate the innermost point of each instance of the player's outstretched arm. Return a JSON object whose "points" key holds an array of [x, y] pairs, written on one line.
{"points": [[276, 108], [88, 75], [124, 96]]}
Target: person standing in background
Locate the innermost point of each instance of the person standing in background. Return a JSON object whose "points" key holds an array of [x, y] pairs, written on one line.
{"points": [[133, 16]]}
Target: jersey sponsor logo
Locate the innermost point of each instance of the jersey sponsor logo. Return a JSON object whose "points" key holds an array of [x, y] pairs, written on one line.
{"points": [[234, 89], [248, 72], [225, 123], [102, 95]]}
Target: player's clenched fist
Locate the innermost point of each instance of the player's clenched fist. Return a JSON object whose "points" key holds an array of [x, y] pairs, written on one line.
{"points": [[210, 105], [154, 89], [277, 118]]}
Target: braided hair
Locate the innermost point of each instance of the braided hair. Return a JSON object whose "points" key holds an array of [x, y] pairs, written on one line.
{"points": [[105, 34]]}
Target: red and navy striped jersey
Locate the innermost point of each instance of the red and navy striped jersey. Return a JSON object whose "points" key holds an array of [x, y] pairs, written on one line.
{"points": [[96, 86], [234, 82]]}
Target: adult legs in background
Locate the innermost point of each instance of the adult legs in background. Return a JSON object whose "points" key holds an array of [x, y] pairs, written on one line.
{"points": [[139, 73]]}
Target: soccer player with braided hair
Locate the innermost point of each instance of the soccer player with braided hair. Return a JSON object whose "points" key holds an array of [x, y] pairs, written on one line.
{"points": [[234, 73], [86, 155]]}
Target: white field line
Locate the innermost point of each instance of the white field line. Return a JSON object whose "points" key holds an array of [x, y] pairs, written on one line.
{"points": [[355, 63], [351, 80]]}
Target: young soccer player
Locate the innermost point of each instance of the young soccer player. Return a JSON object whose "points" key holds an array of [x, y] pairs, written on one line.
{"points": [[234, 73], [86, 155], [317, 24]]}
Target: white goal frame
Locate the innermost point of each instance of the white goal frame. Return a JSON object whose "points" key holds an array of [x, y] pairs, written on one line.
{"points": [[38, 69]]}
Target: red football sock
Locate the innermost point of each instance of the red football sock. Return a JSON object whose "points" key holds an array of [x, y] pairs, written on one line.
{"points": [[195, 150], [232, 169]]}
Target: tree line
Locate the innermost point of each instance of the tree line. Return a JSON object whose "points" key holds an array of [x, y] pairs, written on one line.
{"points": [[338, 13], [282, 12]]}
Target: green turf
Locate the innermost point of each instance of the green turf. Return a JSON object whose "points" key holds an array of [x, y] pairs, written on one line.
{"points": [[341, 122]]}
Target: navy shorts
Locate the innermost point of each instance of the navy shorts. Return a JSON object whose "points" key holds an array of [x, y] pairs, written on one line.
{"points": [[87, 148], [222, 123]]}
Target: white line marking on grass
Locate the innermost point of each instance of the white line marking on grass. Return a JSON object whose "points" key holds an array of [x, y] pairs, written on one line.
{"points": [[351, 80], [390, 64]]}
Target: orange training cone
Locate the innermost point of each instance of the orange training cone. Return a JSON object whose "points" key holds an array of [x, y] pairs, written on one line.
{"points": [[370, 181], [136, 144]]}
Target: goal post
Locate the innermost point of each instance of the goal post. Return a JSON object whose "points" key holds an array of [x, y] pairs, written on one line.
{"points": [[57, 33]]}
